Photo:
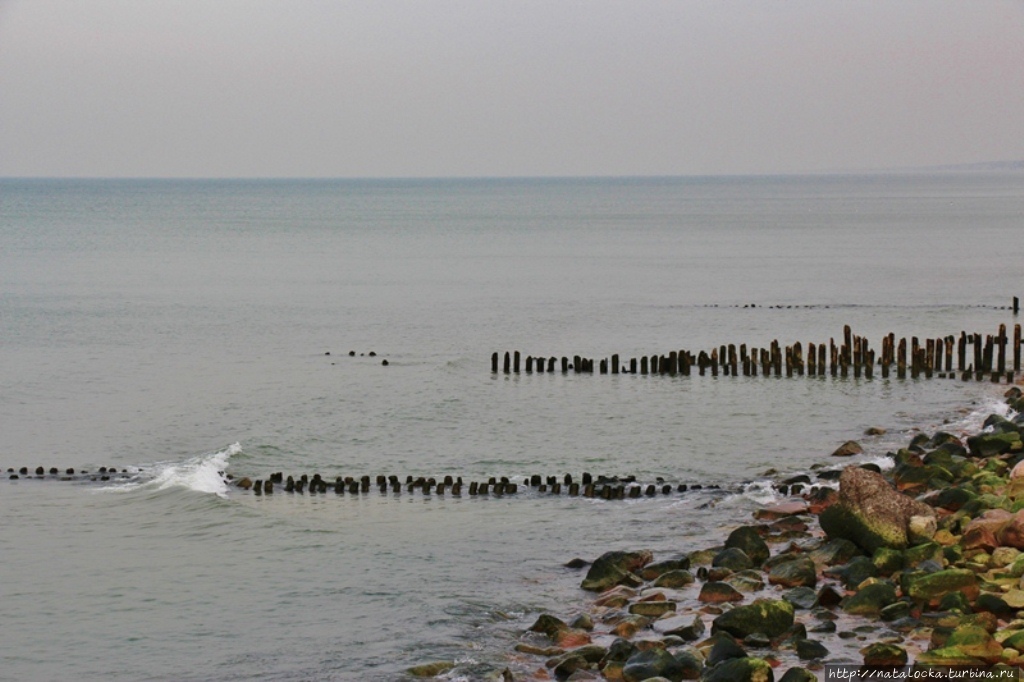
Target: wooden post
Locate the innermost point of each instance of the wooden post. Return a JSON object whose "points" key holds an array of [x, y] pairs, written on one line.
{"points": [[833, 356], [684, 362], [673, 363], [1016, 348], [961, 352], [949, 353], [901, 359], [869, 364], [604, 366], [1016, 305], [930, 353], [977, 353], [565, 365], [798, 358], [812, 359], [494, 362], [615, 364], [789, 361], [987, 358], [508, 362], [1001, 366], [821, 359], [515, 362], [529, 364], [643, 364], [732, 358]]}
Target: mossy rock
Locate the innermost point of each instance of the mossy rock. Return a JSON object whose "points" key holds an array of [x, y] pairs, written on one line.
{"points": [[740, 670], [659, 568], [657, 662], [833, 552], [771, 617], [615, 568], [675, 579], [928, 551], [839, 521], [870, 599], [976, 642], [732, 558], [930, 587], [748, 539], [887, 560], [881, 654], [796, 573]]}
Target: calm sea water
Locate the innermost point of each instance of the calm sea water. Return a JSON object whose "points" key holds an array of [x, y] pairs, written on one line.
{"points": [[182, 327]]}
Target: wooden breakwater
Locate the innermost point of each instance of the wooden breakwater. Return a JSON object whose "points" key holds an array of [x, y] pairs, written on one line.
{"points": [[969, 356]]}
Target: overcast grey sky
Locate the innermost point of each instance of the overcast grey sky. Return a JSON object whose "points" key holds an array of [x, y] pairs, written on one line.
{"points": [[331, 88]]}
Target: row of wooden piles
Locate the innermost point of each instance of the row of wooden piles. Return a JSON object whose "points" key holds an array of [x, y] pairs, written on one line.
{"points": [[926, 358], [601, 487]]}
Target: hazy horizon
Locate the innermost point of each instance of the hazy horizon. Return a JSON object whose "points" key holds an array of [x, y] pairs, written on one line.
{"points": [[456, 89]]}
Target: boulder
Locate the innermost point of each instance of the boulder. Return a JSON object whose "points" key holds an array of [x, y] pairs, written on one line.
{"points": [[715, 592], [833, 552], [798, 674], [675, 579], [885, 655], [740, 670], [870, 512], [655, 570], [795, 573], [808, 649], [931, 587], [992, 444], [870, 599], [644, 665], [771, 617], [615, 568], [733, 558], [748, 539], [848, 449]]}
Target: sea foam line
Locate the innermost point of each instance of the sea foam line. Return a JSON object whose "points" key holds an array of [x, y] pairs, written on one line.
{"points": [[203, 474]]}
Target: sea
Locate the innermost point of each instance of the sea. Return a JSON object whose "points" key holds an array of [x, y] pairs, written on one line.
{"points": [[189, 330]]}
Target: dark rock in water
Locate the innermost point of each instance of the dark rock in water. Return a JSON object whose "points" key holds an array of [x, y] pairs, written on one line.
{"points": [[715, 592], [871, 467], [884, 655], [740, 670], [801, 478], [870, 512], [870, 599], [810, 649], [769, 616], [582, 622], [430, 669], [732, 558], [749, 540], [615, 568], [40, 471], [577, 659], [801, 597], [619, 651], [838, 551], [828, 597], [724, 648], [824, 627], [895, 611], [830, 474], [653, 571], [577, 563], [691, 663], [848, 449], [798, 674], [931, 587], [644, 665], [549, 625], [992, 444], [851, 574], [955, 601], [875, 431], [795, 573], [675, 579]]}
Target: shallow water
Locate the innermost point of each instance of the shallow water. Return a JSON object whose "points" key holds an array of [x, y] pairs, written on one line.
{"points": [[154, 324]]}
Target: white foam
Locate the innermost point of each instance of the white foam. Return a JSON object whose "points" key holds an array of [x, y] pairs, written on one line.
{"points": [[203, 474]]}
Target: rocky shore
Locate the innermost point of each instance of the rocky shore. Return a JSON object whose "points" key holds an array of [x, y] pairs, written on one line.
{"points": [[919, 566]]}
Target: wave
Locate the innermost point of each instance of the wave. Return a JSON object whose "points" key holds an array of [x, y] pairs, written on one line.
{"points": [[203, 474]]}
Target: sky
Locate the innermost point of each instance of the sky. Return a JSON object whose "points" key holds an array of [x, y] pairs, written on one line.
{"points": [[463, 88]]}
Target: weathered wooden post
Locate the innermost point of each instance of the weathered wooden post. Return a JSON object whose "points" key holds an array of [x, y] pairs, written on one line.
{"points": [[1002, 349], [978, 367], [643, 364], [508, 362], [1016, 348], [1016, 305], [684, 362], [615, 363], [632, 365], [515, 362], [949, 352], [577, 365], [604, 366], [494, 362], [529, 364], [551, 364], [961, 352], [901, 359], [833, 355], [930, 353], [673, 363], [812, 359]]}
